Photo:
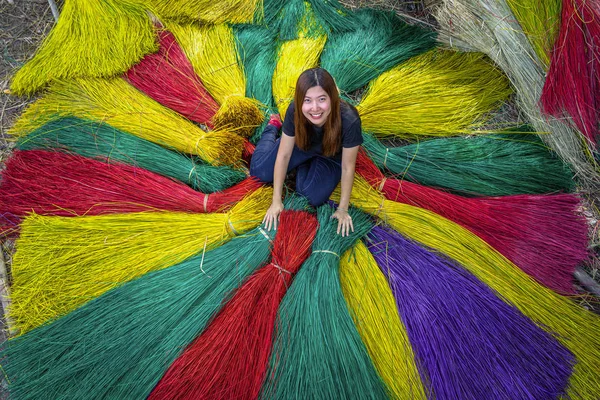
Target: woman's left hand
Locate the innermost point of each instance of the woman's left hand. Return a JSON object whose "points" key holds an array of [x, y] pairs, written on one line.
{"points": [[344, 222]]}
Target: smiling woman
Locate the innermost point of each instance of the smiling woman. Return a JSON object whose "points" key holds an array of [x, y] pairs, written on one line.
{"points": [[320, 140]]}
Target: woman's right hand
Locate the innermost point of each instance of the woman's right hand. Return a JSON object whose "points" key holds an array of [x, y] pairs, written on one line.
{"points": [[272, 215]]}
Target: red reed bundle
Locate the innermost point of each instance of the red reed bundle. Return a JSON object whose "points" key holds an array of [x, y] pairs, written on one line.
{"points": [[539, 233], [169, 78], [573, 79], [66, 184], [229, 360], [248, 151]]}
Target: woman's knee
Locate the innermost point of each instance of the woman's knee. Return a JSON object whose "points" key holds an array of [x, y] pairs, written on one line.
{"points": [[263, 174], [314, 197]]}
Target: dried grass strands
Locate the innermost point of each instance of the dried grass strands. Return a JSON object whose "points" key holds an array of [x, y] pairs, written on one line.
{"points": [[439, 93], [373, 309], [63, 262], [295, 56], [572, 83], [484, 165], [214, 12], [575, 327], [169, 78], [119, 104], [318, 353], [120, 344], [55, 183], [100, 141], [212, 51], [540, 21], [378, 41], [230, 359], [90, 39], [257, 50], [458, 325], [488, 26], [540, 234]]}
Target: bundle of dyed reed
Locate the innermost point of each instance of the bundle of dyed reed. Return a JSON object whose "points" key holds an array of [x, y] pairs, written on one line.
{"points": [[318, 352], [295, 19], [169, 78], [575, 327], [119, 104], [333, 17], [487, 165], [257, 51], [84, 257], [439, 93], [120, 344], [489, 26], [457, 325], [54, 183], [97, 140], [372, 307], [212, 51], [572, 83], [540, 20], [295, 56], [378, 42], [230, 359], [208, 11], [90, 39], [541, 234]]}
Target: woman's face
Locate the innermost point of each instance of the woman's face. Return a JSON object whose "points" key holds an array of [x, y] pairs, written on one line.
{"points": [[316, 106]]}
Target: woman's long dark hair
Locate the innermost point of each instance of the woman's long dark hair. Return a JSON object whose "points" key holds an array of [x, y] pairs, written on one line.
{"points": [[332, 132]]}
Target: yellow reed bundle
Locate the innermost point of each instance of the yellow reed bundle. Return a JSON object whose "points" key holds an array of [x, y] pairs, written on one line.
{"points": [[91, 39], [119, 104], [215, 12], [373, 309], [575, 327], [63, 262], [212, 51], [540, 20], [294, 57], [435, 94]]}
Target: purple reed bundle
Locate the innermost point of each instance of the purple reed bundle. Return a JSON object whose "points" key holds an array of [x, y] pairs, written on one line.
{"points": [[469, 344]]}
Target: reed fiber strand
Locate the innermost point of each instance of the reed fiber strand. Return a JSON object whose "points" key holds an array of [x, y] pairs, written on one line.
{"points": [[482, 165], [169, 78], [318, 353], [377, 43], [119, 104], [212, 51], [575, 327], [458, 325], [100, 141], [230, 359], [56, 183], [438, 93], [540, 234], [295, 56], [490, 27], [373, 309], [63, 262], [121, 343], [90, 39]]}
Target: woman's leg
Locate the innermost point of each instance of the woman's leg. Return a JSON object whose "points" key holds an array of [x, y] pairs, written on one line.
{"points": [[317, 179], [265, 154]]}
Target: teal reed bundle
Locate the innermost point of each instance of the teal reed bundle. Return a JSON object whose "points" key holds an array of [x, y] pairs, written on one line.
{"points": [[119, 345], [257, 50], [97, 140], [378, 42], [318, 353], [333, 17], [490, 165]]}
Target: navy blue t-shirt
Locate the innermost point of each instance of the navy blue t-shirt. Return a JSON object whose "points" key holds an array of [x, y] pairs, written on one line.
{"points": [[351, 130]]}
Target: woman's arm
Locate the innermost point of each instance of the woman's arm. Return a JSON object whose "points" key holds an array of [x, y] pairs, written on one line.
{"points": [[286, 146], [348, 167]]}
